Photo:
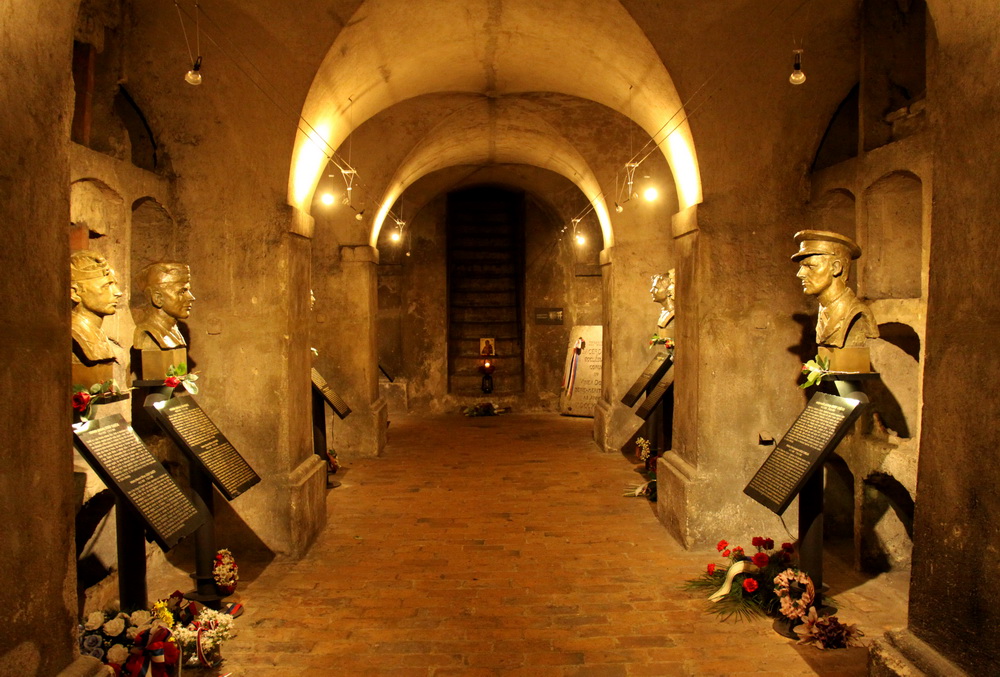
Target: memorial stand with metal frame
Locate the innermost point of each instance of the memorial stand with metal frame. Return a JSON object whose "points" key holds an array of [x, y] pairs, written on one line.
{"points": [[323, 395], [654, 382], [147, 500], [795, 468], [213, 461]]}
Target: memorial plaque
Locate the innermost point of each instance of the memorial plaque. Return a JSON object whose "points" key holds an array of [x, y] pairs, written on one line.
{"points": [[126, 466], [335, 400], [581, 387], [654, 397], [548, 315], [195, 433], [651, 375], [801, 452]]}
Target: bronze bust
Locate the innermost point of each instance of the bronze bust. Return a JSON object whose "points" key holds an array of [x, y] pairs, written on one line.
{"points": [[824, 258], [94, 292], [662, 292], [167, 287]]}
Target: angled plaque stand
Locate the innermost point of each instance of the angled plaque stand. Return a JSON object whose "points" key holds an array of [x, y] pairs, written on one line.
{"points": [[794, 467], [322, 395], [213, 461], [146, 496], [653, 372], [655, 382]]}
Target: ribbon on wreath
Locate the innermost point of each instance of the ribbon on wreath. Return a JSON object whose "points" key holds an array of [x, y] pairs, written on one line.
{"points": [[199, 649], [574, 360], [152, 654]]}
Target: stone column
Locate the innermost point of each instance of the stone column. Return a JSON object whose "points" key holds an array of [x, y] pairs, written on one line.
{"points": [[954, 599], [346, 329]]}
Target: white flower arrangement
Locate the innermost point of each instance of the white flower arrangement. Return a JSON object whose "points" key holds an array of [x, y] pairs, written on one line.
{"points": [[224, 569], [204, 636]]}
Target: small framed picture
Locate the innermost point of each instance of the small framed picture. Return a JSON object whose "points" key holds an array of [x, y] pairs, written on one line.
{"points": [[487, 347]]}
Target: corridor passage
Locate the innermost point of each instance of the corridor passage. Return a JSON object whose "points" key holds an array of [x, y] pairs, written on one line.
{"points": [[504, 546]]}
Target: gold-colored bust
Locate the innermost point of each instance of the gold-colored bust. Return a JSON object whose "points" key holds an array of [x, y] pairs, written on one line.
{"points": [[824, 258], [94, 292], [167, 287], [662, 292]]}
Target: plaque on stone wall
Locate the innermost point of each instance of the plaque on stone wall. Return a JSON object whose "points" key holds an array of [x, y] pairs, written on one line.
{"points": [[548, 315], [801, 452], [195, 433], [334, 400], [581, 386], [651, 375], [126, 466], [655, 396]]}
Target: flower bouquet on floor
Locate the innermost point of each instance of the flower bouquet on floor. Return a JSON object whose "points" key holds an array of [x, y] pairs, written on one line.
{"points": [[225, 572], [140, 643], [200, 641], [648, 471], [744, 586]]}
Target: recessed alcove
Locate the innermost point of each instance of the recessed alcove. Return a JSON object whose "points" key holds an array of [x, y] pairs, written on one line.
{"points": [[95, 206], [886, 524], [838, 496], [892, 237]]}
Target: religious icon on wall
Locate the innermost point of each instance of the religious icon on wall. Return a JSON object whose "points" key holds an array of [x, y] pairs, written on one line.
{"points": [[486, 346]]}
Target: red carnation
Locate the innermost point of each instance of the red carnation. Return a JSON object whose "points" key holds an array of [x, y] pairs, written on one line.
{"points": [[757, 541], [725, 553], [81, 401], [749, 584], [761, 559], [738, 549], [721, 546], [171, 381], [787, 547], [711, 567], [768, 543]]}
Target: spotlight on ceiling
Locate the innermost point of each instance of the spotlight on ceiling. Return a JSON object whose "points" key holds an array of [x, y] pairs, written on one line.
{"points": [[580, 239], [394, 236], [650, 194], [797, 77], [193, 76], [327, 198]]}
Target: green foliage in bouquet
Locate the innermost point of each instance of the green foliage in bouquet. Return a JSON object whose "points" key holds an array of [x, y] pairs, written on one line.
{"points": [[751, 592]]}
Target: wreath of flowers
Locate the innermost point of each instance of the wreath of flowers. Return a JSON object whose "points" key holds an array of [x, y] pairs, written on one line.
{"points": [[224, 569], [791, 606]]}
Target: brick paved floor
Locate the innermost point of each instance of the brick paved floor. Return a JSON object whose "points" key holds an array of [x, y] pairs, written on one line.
{"points": [[503, 546]]}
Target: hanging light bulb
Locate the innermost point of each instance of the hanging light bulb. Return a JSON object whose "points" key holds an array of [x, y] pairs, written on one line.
{"points": [[797, 77], [193, 76], [394, 236], [360, 215], [580, 239], [619, 208], [327, 198]]}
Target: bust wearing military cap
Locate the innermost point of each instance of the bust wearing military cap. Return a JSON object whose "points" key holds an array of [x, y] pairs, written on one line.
{"points": [[824, 258]]}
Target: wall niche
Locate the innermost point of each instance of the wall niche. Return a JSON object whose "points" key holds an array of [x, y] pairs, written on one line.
{"points": [[892, 237]]}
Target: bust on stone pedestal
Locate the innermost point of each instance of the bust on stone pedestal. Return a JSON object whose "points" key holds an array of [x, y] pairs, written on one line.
{"points": [[167, 288], [845, 323], [94, 293]]}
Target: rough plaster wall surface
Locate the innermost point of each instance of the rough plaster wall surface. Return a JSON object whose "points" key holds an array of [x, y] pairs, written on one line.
{"points": [[955, 529], [36, 562]]}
